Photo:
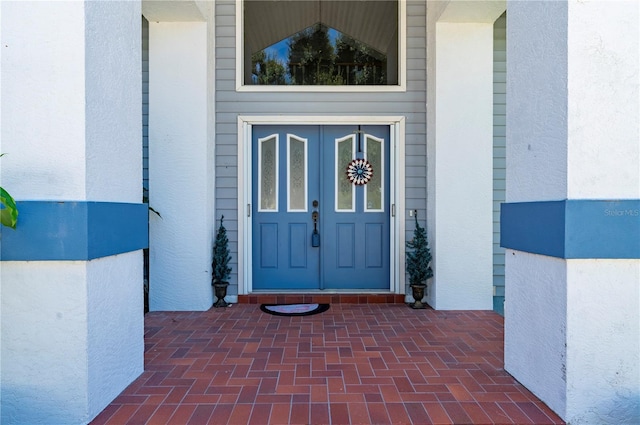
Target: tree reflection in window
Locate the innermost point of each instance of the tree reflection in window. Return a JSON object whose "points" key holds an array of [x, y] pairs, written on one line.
{"points": [[319, 55]]}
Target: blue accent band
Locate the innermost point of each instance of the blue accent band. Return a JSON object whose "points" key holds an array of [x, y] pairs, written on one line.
{"points": [[573, 228], [62, 231]]}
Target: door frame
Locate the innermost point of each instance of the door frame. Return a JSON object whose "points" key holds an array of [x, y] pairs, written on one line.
{"points": [[396, 188]]}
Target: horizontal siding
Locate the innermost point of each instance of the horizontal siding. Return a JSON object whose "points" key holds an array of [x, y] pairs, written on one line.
{"points": [[499, 152], [145, 103], [229, 104]]}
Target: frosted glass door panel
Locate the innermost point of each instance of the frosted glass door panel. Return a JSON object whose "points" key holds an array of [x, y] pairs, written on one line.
{"points": [[296, 174], [268, 173], [345, 194], [374, 193]]}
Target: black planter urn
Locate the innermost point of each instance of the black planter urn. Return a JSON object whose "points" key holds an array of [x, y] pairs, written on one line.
{"points": [[418, 295], [220, 290]]}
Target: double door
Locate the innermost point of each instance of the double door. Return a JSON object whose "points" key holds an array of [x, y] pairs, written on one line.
{"points": [[320, 208]]}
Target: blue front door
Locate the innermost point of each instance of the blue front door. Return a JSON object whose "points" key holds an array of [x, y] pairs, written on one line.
{"points": [[316, 224]]}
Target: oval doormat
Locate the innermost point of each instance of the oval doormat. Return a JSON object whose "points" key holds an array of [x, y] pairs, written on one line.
{"points": [[294, 309]]}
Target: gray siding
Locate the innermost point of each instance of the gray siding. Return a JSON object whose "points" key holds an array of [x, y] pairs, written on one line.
{"points": [[229, 104], [499, 152], [145, 103]]}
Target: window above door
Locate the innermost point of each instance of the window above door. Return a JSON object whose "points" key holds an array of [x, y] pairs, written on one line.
{"points": [[320, 45]]}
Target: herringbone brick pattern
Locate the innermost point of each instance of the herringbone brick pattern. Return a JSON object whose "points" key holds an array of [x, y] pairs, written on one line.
{"points": [[354, 364]]}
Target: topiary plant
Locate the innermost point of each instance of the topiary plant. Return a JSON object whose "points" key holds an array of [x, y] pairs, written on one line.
{"points": [[419, 260], [221, 255]]}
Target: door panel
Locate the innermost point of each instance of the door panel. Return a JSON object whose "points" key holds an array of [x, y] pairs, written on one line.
{"points": [[293, 166], [374, 239], [281, 207], [357, 257], [268, 245]]}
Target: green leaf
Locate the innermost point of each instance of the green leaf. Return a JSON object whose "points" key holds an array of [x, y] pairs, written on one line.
{"points": [[9, 214]]}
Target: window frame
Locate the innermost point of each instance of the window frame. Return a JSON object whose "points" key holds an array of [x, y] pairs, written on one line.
{"points": [[402, 64]]}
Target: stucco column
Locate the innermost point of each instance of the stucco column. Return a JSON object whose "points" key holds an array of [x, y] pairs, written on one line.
{"points": [[71, 273], [460, 152], [180, 168], [571, 224]]}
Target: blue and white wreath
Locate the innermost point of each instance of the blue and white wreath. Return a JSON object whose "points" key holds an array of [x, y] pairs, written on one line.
{"points": [[359, 171]]}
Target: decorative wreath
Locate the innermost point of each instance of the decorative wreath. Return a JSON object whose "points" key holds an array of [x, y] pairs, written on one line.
{"points": [[359, 171]]}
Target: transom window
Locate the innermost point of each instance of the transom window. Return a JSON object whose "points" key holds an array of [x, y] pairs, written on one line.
{"points": [[320, 43]]}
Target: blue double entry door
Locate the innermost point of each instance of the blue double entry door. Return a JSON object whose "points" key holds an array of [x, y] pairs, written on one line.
{"points": [[320, 209]]}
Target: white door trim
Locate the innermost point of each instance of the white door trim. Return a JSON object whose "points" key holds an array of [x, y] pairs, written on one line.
{"points": [[396, 195]]}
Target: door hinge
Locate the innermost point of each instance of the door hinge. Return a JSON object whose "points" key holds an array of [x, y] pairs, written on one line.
{"points": [[248, 210], [393, 210]]}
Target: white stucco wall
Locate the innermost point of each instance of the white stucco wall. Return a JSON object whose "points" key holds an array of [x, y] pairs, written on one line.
{"points": [[459, 148], [113, 99], [606, 114], [115, 327], [180, 173], [44, 352], [535, 285], [434, 11], [72, 337], [536, 101], [43, 100], [50, 99], [72, 334], [603, 342], [603, 315], [535, 324], [0, 238], [572, 133]]}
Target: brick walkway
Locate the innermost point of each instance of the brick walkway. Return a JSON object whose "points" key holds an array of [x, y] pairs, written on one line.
{"points": [[354, 364]]}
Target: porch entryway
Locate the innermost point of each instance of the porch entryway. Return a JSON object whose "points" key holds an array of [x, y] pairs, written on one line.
{"points": [[321, 210], [353, 364]]}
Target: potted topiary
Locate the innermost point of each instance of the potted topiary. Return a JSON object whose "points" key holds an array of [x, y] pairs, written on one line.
{"points": [[221, 269], [418, 264]]}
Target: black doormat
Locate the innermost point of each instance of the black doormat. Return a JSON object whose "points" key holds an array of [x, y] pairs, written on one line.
{"points": [[294, 309]]}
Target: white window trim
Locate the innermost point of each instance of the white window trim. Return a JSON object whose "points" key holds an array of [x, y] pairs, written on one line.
{"points": [[397, 239], [277, 171], [402, 63], [306, 172], [337, 174], [381, 171]]}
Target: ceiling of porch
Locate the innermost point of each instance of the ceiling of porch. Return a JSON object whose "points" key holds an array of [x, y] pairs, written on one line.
{"points": [[373, 22]]}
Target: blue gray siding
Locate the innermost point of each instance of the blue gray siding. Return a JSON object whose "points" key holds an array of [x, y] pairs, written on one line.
{"points": [[229, 104], [499, 153], [145, 103]]}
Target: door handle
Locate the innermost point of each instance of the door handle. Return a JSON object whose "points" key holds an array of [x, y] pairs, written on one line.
{"points": [[315, 236]]}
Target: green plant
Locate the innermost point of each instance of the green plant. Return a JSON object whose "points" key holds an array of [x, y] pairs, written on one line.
{"points": [[9, 212], [221, 255], [419, 260]]}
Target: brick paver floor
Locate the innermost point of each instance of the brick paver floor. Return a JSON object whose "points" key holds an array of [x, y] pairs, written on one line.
{"points": [[354, 364]]}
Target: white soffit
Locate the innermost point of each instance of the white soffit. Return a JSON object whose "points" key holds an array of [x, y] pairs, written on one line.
{"points": [[373, 22], [467, 11], [171, 11]]}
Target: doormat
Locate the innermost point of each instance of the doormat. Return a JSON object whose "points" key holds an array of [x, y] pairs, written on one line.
{"points": [[294, 309]]}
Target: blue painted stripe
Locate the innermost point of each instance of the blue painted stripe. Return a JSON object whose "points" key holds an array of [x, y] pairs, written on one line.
{"points": [[61, 231], [536, 227], [573, 228]]}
